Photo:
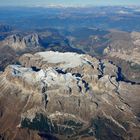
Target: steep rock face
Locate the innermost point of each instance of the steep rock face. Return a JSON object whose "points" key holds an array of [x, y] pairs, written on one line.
{"points": [[126, 47], [67, 96], [19, 42], [15, 45], [124, 50], [7, 55]]}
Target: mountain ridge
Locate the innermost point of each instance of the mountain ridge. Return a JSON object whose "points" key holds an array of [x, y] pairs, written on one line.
{"points": [[63, 100]]}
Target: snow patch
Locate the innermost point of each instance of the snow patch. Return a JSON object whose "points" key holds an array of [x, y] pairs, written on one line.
{"points": [[67, 60]]}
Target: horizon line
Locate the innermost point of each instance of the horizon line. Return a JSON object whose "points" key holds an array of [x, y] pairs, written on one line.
{"points": [[67, 6]]}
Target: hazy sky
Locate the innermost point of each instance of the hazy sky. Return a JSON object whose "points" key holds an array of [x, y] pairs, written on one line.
{"points": [[67, 2]]}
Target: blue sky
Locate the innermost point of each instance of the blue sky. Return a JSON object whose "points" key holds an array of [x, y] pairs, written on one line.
{"points": [[67, 2]]}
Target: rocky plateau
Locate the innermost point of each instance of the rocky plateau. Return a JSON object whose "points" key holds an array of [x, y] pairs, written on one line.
{"points": [[67, 96]]}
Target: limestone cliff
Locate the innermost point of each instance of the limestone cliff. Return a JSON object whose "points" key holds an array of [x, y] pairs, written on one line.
{"points": [[54, 95]]}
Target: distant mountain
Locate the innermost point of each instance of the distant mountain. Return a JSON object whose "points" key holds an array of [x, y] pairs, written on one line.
{"points": [[5, 28], [124, 50], [18, 42], [108, 17]]}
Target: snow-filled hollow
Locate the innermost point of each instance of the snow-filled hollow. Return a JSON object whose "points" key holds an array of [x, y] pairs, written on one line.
{"points": [[68, 60]]}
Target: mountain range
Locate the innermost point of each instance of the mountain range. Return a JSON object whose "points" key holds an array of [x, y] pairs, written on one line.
{"points": [[70, 73], [67, 96]]}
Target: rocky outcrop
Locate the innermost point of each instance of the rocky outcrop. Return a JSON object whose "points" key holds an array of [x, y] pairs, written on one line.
{"points": [[124, 51], [129, 45], [15, 45], [67, 96], [20, 42]]}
